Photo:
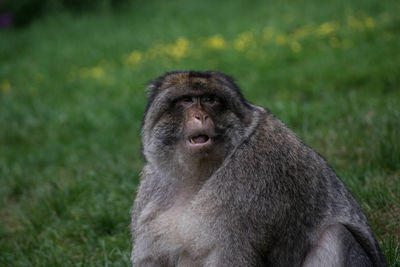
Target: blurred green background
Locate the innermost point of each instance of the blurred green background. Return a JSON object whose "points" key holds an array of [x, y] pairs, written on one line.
{"points": [[72, 95]]}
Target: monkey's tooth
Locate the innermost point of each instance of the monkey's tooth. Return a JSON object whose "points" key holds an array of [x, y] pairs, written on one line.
{"points": [[191, 140]]}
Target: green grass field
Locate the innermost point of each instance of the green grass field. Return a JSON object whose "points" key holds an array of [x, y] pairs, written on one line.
{"points": [[72, 95]]}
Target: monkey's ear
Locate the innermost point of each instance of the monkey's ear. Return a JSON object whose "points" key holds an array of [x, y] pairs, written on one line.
{"points": [[154, 85], [151, 87]]}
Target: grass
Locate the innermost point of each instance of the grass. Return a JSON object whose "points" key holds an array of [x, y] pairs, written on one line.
{"points": [[72, 97]]}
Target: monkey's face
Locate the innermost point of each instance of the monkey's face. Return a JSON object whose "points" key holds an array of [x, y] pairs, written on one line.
{"points": [[190, 130], [192, 121], [197, 113]]}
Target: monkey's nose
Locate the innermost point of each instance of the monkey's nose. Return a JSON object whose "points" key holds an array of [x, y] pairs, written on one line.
{"points": [[201, 118]]}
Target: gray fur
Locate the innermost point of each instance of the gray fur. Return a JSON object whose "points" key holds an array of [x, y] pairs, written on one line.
{"points": [[262, 199]]}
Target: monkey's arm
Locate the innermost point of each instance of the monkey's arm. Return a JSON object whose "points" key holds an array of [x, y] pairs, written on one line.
{"points": [[141, 252], [144, 195], [337, 247]]}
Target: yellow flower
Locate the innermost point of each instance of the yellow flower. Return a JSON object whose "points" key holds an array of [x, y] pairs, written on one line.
{"points": [[327, 28], [295, 46], [97, 72], [216, 42], [5, 86], [281, 39], [133, 58], [179, 49], [244, 41], [369, 22]]}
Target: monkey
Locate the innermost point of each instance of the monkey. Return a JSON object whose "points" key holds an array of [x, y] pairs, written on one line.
{"points": [[226, 183]]}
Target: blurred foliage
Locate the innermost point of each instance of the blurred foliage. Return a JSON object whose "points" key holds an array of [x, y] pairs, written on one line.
{"points": [[25, 11]]}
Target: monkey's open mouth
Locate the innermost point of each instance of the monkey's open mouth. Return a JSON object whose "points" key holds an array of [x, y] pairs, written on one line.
{"points": [[199, 139]]}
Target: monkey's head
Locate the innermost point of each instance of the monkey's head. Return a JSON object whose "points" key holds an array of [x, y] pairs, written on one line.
{"points": [[192, 120]]}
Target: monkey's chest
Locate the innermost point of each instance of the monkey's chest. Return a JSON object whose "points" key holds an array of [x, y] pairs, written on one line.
{"points": [[175, 229]]}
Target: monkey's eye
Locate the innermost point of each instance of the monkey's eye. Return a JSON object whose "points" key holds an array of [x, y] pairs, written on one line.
{"points": [[209, 100], [184, 101]]}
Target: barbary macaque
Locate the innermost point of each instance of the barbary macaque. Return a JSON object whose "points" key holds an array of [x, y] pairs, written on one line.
{"points": [[225, 183]]}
